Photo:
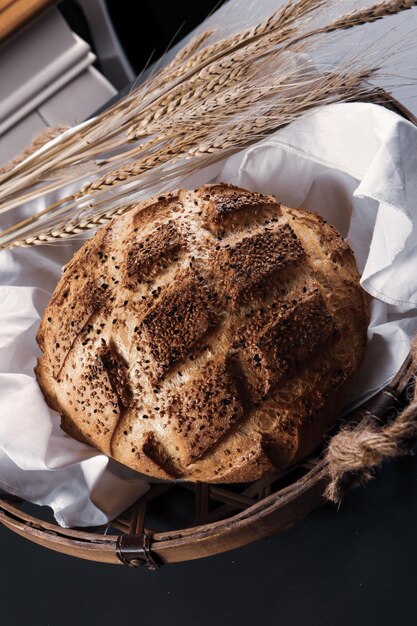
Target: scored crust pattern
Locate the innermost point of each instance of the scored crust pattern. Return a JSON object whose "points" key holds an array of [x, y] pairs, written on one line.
{"points": [[204, 335]]}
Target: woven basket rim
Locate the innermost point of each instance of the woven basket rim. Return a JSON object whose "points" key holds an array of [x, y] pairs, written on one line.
{"points": [[270, 514]]}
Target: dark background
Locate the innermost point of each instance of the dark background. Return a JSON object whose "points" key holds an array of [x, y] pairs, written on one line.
{"points": [[146, 28], [349, 566]]}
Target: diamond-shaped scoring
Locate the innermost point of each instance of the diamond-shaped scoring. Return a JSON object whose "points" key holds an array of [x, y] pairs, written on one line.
{"points": [[199, 318], [286, 333], [153, 253], [225, 207], [182, 317], [208, 406], [246, 265]]}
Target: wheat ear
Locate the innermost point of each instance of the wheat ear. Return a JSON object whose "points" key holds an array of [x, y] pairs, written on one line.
{"points": [[194, 143], [182, 55], [117, 117], [202, 146], [291, 12], [367, 15]]}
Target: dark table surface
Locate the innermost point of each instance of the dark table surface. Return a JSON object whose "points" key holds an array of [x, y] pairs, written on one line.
{"points": [[348, 566]]}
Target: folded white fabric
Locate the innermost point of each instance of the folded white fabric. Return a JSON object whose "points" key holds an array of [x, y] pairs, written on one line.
{"points": [[354, 164]]}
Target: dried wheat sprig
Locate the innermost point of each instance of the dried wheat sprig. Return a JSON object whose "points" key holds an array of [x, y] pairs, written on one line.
{"points": [[182, 55], [320, 90], [55, 185], [367, 15], [231, 139], [78, 141], [174, 155], [161, 120], [184, 96], [73, 228], [218, 106], [287, 13], [221, 72], [194, 132], [53, 156], [202, 65], [190, 119], [227, 70], [179, 145], [275, 115], [213, 149], [30, 172], [292, 11], [107, 181], [218, 72]]}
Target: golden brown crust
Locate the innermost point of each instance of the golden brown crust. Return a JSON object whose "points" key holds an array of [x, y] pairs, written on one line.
{"points": [[248, 264], [181, 317], [149, 256], [204, 335]]}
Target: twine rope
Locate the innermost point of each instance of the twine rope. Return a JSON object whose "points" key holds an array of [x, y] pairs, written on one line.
{"points": [[355, 452]]}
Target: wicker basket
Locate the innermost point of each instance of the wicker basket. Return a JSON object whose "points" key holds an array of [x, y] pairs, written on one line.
{"points": [[205, 519]]}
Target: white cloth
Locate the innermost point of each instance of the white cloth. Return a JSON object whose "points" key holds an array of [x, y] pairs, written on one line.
{"points": [[355, 164]]}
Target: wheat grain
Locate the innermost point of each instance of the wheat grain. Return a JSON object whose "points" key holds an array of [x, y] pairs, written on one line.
{"points": [[367, 15], [206, 146], [71, 228], [291, 12], [219, 103], [210, 79], [184, 53]]}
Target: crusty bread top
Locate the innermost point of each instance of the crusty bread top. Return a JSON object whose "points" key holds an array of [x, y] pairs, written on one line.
{"points": [[204, 335]]}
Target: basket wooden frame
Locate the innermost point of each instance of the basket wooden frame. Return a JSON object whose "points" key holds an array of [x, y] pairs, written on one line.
{"points": [[225, 517]]}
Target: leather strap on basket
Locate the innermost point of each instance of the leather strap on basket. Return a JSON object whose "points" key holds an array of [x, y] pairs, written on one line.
{"points": [[135, 550], [386, 429]]}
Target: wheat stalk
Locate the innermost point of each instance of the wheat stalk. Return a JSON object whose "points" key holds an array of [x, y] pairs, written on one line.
{"points": [[113, 119], [369, 14], [200, 88], [183, 54], [210, 79], [216, 105], [325, 90], [221, 98], [226, 70], [135, 168], [289, 12], [72, 228], [292, 11], [205, 147]]}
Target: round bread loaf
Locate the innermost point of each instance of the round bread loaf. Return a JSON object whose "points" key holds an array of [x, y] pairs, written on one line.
{"points": [[204, 335]]}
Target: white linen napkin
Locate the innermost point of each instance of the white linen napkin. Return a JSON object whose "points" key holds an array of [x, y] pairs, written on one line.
{"points": [[355, 164]]}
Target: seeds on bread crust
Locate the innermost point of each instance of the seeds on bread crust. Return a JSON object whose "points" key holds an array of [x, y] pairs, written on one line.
{"points": [[204, 335]]}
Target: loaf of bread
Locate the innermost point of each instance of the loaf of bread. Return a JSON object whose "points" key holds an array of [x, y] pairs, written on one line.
{"points": [[204, 335]]}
